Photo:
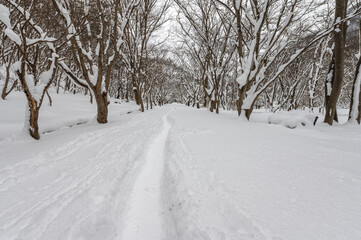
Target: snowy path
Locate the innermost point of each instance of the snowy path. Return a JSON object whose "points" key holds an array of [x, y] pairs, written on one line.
{"points": [[75, 185], [182, 175], [144, 219]]}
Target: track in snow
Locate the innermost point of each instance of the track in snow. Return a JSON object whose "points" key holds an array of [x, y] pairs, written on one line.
{"points": [[144, 219], [74, 189]]}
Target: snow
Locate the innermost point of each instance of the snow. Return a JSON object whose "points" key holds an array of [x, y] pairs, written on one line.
{"points": [[37, 40], [68, 110], [5, 15], [238, 4], [174, 172], [13, 36], [293, 119], [242, 80], [146, 193], [328, 83], [239, 180], [94, 77]]}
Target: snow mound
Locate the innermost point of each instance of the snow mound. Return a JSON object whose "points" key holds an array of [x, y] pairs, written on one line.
{"points": [[293, 119]]}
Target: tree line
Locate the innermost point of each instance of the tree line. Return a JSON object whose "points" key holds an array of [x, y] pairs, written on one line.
{"points": [[229, 54], [288, 54], [104, 48]]}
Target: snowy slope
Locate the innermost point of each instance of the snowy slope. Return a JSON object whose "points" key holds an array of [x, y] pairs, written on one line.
{"points": [[178, 173]]}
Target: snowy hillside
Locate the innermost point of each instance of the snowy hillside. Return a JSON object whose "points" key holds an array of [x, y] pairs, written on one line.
{"points": [[175, 172]]}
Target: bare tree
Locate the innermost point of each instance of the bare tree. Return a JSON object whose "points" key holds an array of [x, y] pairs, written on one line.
{"points": [[337, 68], [207, 34], [37, 62], [148, 18], [355, 104], [266, 30], [96, 50], [8, 50]]}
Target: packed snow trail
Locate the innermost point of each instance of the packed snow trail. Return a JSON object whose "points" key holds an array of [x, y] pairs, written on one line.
{"points": [[144, 219]]}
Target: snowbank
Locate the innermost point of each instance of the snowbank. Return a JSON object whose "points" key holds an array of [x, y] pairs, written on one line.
{"points": [[293, 119]]}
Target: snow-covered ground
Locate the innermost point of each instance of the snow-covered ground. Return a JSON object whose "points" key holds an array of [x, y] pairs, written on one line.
{"points": [[232, 179], [175, 173], [67, 110]]}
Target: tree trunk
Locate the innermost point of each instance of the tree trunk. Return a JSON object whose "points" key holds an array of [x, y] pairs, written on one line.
{"points": [[248, 112], [127, 95], [138, 99], [339, 50], [67, 85], [241, 93], [150, 100], [3, 95], [33, 126], [91, 97], [141, 104], [355, 106], [58, 85], [205, 100], [118, 92], [102, 107], [329, 83], [136, 96], [7, 79], [213, 105], [50, 101], [32, 114], [147, 102]]}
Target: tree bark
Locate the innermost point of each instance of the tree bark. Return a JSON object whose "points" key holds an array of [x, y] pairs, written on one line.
{"points": [[239, 102], [141, 104], [102, 107], [356, 95], [248, 112], [33, 120], [356, 89], [339, 52], [50, 101], [5, 93], [150, 100], [138, 98], [147, 103], [329, 83], [213, 105]]}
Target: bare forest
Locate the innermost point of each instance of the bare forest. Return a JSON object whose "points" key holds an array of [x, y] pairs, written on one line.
{"points": [[216, 54], [180, 119]]}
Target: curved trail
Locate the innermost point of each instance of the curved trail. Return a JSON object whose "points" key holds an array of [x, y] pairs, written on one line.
{"points": [[144, 219]]}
